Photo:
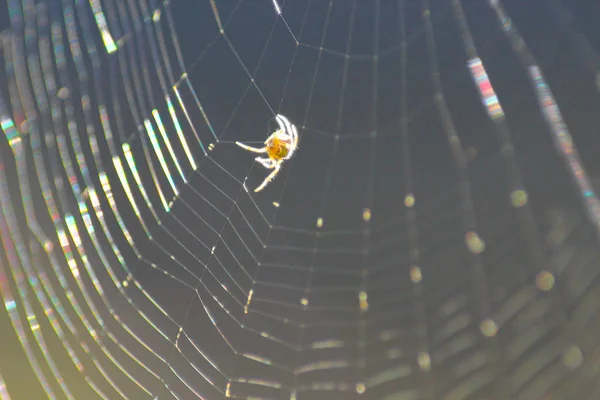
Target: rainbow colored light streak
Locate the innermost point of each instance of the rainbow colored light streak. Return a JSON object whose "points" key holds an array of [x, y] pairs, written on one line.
{"points": [[564, 143], [486, 91]]}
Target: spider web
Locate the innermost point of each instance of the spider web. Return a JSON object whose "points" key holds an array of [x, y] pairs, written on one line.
{"points": [[434, 237]]}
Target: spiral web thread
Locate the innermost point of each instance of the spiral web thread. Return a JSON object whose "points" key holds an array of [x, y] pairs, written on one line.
{"points": [[132, 240]]}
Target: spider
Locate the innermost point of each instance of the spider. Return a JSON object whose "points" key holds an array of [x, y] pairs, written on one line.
{"points": [[280, 146]]}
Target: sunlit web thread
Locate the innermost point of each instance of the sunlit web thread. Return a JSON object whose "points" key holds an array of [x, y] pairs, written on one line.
{"points": [[563, 143], [65, 82], [20, 247], [298, 366], [66, 162], [320, 49], [285, 90], [361, 299], [234, 203], [252, 76], [189, 68], [367, 259], [368, 55], [223, 35], [479, 283], [552, 115], [533, 239], [127, 155], [518, 194], [69, 219], [160, 37], [136, 91], [128, 38], [391, 128], [72, 124], [310, 96], [10, 299], [412, 223], [139, 28], [222, 31], [181, 332], [19, 275], [11, 305], [35, 140], [3, 390], [230, 389], [157, 62], [16, 145], [140, 126], [95, 204], [90, 330], [305, 301], [135, 35], [496, 114]]}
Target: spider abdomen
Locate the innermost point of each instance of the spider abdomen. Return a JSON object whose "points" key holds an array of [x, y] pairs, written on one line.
{"points": [[278, 149]]}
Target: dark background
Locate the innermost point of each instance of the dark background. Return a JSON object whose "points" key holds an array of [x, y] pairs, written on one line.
{"points": [[351, 157]]}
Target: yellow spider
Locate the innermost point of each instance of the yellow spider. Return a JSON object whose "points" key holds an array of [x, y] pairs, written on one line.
{"points": [[280, 146]]}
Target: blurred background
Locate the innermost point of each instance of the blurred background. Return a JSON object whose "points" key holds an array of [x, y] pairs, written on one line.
{"points": [[435, 236]]}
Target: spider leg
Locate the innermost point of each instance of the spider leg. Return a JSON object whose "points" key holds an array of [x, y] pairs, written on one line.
{"points": [[269, 178], [294, 136], [252, 149], [266, 162], [284, 124], [290, 129]]}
